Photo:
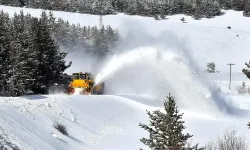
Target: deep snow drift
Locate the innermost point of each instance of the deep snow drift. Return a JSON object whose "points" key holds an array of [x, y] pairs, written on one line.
{"points": [[157, 58]]}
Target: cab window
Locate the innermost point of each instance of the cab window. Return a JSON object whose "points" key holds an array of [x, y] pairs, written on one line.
{"points": [[75, 76], [82, 76]]}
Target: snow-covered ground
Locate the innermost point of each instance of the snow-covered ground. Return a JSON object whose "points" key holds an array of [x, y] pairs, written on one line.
{"points": [[162, 56]]}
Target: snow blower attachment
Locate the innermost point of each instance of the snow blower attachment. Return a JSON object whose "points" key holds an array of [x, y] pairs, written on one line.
{"points": [[84, 84]]}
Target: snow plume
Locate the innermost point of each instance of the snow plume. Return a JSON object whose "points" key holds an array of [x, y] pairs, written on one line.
{"points": [[82, 62], [224, 102], [148, 71], [129, 58], [155, 69]]}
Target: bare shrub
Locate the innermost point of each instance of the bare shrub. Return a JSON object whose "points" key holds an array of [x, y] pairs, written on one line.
{"points": [[229, 141], [61, 128]]}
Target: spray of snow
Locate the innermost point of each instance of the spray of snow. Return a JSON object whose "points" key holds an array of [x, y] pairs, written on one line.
{"points": [[77, 91], [152, 72], [127, 59]]}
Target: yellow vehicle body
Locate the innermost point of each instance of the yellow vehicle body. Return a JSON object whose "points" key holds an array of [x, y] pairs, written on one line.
{"points": [[84, 83], [81, 83]]}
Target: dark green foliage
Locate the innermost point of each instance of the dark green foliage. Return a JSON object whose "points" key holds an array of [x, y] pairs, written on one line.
{"points": [[33, 51], [51, 61], [196, 8], [32, 58], [23, 67], [61, 128], [210, 67], [247, 70], [61, 85], [239, 4], [92, 40], [133, 7], [246, 12], [207, 9], [5, 46], [226, 4], [166, 129]]}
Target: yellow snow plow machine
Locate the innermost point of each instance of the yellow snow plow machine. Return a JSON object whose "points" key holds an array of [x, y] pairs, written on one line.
{"points": [[84, 84]]}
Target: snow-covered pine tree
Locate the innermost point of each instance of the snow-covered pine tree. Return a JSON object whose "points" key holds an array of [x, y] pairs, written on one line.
{"points": [[5, 46], [210, 67], [46, 4], [33, 3], [188, 7], [166, 129], [243, 88], [22, 55], [239, 4], [247, 70], [59, 4], [141, 7], [119, 5], [246, 12], [51, 61], [10, 2], [101, 48], [207, 8], [226, 4], [62, 32], [112, 37], [103, 7], [244, 85], [74, 36], [73, 5], [132, 7], [177, 6]]}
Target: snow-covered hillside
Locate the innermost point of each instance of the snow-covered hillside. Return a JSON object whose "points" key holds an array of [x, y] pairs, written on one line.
{"points": [[203, 40], [94, 122], [162, 56]]}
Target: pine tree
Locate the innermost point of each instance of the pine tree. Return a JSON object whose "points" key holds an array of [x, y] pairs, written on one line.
{"points": [[243, 88], [226, 4], [211, 67], [239, 4], [246, 12], [62, 32], [132, 7], [5, 46], [244, 85], [100, 43], [166, 129], [21, 57], [51, 61], [112, 37], [247, 71], [206, 8]]}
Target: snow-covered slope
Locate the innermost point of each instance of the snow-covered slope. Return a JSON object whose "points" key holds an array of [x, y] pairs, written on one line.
{"points": [[162, 56], [94, 122], [205, 40], [89, 121]]}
